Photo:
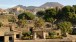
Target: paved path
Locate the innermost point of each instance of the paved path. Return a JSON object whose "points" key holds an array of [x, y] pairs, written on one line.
{"points": [[44, 40]]}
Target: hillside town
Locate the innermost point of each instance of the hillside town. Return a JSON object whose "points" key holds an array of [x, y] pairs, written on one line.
{"points": [[50, 22]]}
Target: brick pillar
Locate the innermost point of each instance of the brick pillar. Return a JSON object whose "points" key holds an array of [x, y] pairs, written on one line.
{"points": [[6, 38], [73, 40], [14, 36], [35, 36], [20, 35], [44, 35]]}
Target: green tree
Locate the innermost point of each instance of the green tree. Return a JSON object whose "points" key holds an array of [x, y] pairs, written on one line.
{"points": [[50, 12], [65, 12], [12, 19], [52, 20], [74, 6], [51, 34], [72, 17], [50, 15], [67, 9], [39, 23], [26, 15], [40, 13], [22, 22], [65, 27]]}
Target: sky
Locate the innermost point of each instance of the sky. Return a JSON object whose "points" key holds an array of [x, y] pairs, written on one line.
{"points": [[11, 3]]}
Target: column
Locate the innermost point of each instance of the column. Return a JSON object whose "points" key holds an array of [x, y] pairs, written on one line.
{"points": [[73, 40], [20, 35], [14, 36], [44, 35], [6, 38], [35, 36]]}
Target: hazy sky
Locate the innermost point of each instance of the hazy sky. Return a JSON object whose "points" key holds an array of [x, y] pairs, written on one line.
{"points": [[11, 3]]}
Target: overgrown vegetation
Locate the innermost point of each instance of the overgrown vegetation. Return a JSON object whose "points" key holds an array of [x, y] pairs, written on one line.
{"points": [[65, 27], [27, 35], [26, 15], [64, 18]]}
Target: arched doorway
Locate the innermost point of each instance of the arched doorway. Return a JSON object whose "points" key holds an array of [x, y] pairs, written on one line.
{"points": [[10, 39], [31, 30], [1, 38]]}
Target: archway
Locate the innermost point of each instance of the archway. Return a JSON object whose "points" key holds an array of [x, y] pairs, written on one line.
{"points": [[1, 38]]}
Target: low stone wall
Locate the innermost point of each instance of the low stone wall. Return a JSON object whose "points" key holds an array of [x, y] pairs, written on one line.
{"points": [[44, 40]]}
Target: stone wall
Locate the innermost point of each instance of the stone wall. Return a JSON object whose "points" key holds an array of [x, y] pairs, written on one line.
{"points": [[3, 30]]}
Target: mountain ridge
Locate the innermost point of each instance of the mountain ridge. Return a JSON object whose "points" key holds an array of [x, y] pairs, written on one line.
{"points": [[51, 4], [47, 4]]}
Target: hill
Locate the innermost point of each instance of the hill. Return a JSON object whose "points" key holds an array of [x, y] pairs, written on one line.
{"points": [[51, 4]]}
